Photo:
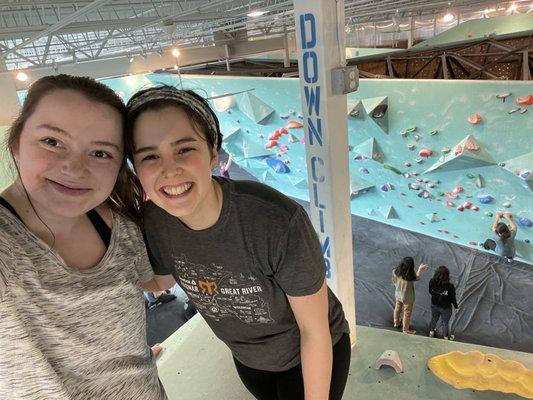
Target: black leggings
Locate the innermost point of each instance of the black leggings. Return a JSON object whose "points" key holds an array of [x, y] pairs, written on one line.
{"points": [[289, 385]]}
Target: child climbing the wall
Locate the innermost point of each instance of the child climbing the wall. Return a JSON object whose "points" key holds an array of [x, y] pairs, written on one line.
{"points": [[403, 278], [247, 256], [442, 299], [504, 235]]}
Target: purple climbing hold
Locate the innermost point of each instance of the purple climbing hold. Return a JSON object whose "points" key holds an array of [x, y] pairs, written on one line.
{"points": [[484, 198], [388, 186], [524, 222], [524, 174]]}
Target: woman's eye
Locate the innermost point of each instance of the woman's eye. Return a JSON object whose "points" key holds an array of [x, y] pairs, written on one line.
{"points": [[102, 154], [50, 142], [149, 157], [185, 150]]}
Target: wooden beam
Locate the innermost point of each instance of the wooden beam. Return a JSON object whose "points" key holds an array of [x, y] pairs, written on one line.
{"points": [[423, 66]]}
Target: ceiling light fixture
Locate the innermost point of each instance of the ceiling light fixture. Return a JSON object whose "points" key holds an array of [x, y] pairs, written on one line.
{"points": [[448, 17], [22, 76]]}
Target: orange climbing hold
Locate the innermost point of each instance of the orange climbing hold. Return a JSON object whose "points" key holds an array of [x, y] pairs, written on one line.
{"points": [[525, 101], [475, 119], [271, 143], [294, 125]]}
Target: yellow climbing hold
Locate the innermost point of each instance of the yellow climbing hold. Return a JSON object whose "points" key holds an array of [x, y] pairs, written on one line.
{"points": [[479, 371]]}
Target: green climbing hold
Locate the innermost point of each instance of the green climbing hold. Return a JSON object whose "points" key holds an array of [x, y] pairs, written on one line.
{"points": [[440, 194], [434, 132], [480, 182], [489, 214], [470, 176], [411, 129], [393, 169], [445, 150]]}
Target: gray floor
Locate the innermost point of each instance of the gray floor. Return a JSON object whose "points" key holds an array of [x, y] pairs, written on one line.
{"points": [[495, 297]]}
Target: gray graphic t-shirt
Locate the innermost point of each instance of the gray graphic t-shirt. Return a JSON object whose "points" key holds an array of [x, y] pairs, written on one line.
{"points": [[239, 272], [68, 334]]}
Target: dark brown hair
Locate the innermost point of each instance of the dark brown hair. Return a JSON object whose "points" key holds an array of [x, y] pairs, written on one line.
{"points": [[441, 276], [121, 200], [200, 125], [503, 231], [406, 269]]}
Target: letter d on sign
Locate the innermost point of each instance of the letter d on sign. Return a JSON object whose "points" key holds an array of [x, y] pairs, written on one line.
{"points": [[308, 44]]}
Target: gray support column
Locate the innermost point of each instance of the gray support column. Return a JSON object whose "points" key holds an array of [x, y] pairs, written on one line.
{"points": [[320, 36], [9, 101], [226, 51]]}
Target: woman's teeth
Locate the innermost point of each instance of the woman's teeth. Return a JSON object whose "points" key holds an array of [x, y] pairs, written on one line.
{"points": [[177, 190]]}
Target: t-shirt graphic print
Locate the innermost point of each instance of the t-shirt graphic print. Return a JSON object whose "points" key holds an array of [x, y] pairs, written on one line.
{"points": [[220, 293]]}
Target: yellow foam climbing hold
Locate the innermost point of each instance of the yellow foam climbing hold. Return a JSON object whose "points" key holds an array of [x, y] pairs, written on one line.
{"points": [[479, 371]]}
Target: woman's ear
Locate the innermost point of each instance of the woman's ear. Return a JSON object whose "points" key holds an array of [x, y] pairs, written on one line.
{"points": [[214, 158]]}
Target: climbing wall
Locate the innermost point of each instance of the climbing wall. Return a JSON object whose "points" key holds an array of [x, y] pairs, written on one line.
{"points": [[436, 157]]}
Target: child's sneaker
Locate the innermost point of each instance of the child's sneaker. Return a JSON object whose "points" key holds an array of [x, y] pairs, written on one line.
{"points": [[431, 333]]}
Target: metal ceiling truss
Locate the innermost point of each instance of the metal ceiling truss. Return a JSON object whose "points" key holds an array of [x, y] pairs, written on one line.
{"points": [[38, 33], [485, 59]]}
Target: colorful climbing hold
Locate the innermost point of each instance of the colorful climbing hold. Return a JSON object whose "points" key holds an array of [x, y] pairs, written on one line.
{"points": [[480, 182], [425, 153], [513, 110], [457, 150], [506, 204], [470, 176], [274, 136], [460, 208], [458, 189], [484, 198], [413, 186], [472, 242], [277, 165], [524, 174], [387, 187], [416, 137], [410, 129], [411, 146], [445, 150], [271, 143], [467, 204], [471, 145], [434, 132], [284, 116], [393, 169], [419, 160], [524, 222], [407, 164], [475, 119], [283, 131], [475, 208], [524, 101], [489, 214], [503, 96], [294, 125], [449, 204], [363, 170]]}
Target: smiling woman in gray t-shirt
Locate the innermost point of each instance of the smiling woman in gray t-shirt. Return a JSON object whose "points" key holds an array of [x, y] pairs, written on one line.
{"points": [[247, 255]]}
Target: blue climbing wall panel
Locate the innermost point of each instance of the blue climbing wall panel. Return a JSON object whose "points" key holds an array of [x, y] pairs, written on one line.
{"points": [[420, 157]]}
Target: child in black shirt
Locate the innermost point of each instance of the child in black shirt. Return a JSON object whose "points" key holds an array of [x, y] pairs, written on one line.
{"points": [[442, 299]]}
